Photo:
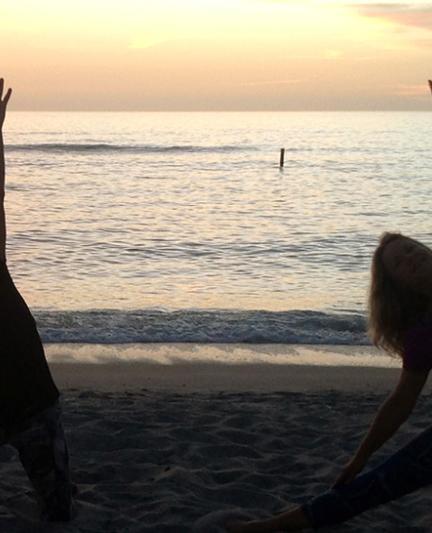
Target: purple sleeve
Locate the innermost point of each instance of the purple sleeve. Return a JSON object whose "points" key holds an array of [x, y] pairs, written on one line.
{"points": [[418, 348]]}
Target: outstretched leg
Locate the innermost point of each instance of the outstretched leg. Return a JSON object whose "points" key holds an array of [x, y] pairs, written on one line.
{"points": [[406, 471]]}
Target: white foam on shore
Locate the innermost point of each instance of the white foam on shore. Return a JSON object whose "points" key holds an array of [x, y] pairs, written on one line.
{"points": [[168, 354]]}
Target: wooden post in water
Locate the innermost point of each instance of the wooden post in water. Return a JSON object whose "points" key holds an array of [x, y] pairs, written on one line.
{"points": [[282, 158]]}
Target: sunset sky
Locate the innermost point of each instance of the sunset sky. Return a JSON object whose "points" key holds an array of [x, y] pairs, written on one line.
{"points": [[216, 54]]}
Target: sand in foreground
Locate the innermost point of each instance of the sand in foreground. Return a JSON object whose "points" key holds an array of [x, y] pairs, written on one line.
{"points": [[155, 448]]}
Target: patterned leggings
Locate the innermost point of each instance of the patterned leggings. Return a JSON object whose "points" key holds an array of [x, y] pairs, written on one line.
{"points": [[42, 449], [405, 471]]}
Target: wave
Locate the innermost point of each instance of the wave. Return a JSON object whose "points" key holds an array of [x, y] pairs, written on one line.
{"points": [[201, 326], [125, 148]]}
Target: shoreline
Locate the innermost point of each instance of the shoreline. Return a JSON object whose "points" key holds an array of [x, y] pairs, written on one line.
{"points": [[213, 377], [191, 367], [221, 367], [221, 353]]}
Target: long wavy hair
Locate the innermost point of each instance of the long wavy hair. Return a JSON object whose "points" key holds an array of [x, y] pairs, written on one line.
{"points": [[393, 308]]}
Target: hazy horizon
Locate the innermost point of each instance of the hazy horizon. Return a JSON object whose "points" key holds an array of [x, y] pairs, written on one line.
{"points": [[217, 55], [220, 111]]}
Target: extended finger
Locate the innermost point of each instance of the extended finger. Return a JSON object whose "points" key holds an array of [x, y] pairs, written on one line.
{"points": [[6, 98]]}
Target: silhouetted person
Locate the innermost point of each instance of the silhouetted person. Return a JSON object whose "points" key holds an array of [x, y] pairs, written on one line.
{"points": [[30, 414]]}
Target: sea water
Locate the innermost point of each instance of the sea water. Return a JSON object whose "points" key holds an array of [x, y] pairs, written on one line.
{"points": [[181, 227]]}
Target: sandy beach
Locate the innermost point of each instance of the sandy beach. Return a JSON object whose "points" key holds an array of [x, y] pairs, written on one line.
{"points": [[180, 447]]}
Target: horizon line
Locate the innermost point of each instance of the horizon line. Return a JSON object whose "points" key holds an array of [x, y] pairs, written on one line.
{"points": [[374, 110]]}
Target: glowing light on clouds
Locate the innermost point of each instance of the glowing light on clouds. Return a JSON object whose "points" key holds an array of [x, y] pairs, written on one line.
{"points": [[216, 54]]}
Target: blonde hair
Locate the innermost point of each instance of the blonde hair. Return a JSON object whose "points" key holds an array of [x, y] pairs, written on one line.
{"points": [[393, 308]]}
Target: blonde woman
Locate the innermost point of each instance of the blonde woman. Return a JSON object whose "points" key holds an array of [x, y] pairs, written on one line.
{"points": [[400, 322]]}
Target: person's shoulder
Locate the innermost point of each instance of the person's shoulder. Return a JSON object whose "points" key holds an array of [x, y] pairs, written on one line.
{"points": [[419, 331], [418, 346], [424, 325]]}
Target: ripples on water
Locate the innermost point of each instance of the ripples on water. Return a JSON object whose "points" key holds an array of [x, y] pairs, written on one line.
{"points": [[137, 211]]}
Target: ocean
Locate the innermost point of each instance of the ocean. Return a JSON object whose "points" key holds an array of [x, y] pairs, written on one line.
{"points": [[181, 227]]}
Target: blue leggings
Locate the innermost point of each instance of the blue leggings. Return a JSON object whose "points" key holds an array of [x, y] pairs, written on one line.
{"points": [[406, 471]]}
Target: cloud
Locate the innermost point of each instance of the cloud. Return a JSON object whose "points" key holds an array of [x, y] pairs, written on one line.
{"points": [[405, 14]]}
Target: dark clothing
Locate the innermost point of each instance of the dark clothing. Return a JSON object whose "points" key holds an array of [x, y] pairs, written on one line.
{"points": [[26, 385], [418, 347], [43, 452], [406, 471]]}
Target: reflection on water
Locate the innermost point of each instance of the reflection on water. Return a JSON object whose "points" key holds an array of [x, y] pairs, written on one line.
{"points": [[190, 210]]}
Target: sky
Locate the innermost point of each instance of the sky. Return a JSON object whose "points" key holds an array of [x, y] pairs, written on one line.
{"points": [[175, 55]]}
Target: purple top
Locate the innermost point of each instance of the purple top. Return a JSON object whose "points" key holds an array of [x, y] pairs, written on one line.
{"points": [[418, 347]]}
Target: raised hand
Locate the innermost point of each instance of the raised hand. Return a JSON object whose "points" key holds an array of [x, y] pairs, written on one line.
{"points": [[3, 102], [350, 471]]}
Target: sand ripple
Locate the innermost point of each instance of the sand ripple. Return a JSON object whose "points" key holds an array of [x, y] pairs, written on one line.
{"points": [[173, 463]]}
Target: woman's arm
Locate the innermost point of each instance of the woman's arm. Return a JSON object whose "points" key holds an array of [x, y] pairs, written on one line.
{"points": [[391, 415], [3, 105]]}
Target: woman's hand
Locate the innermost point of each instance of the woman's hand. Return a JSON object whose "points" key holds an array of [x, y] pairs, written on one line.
{"points": [[350, 471], [3, 102]]}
